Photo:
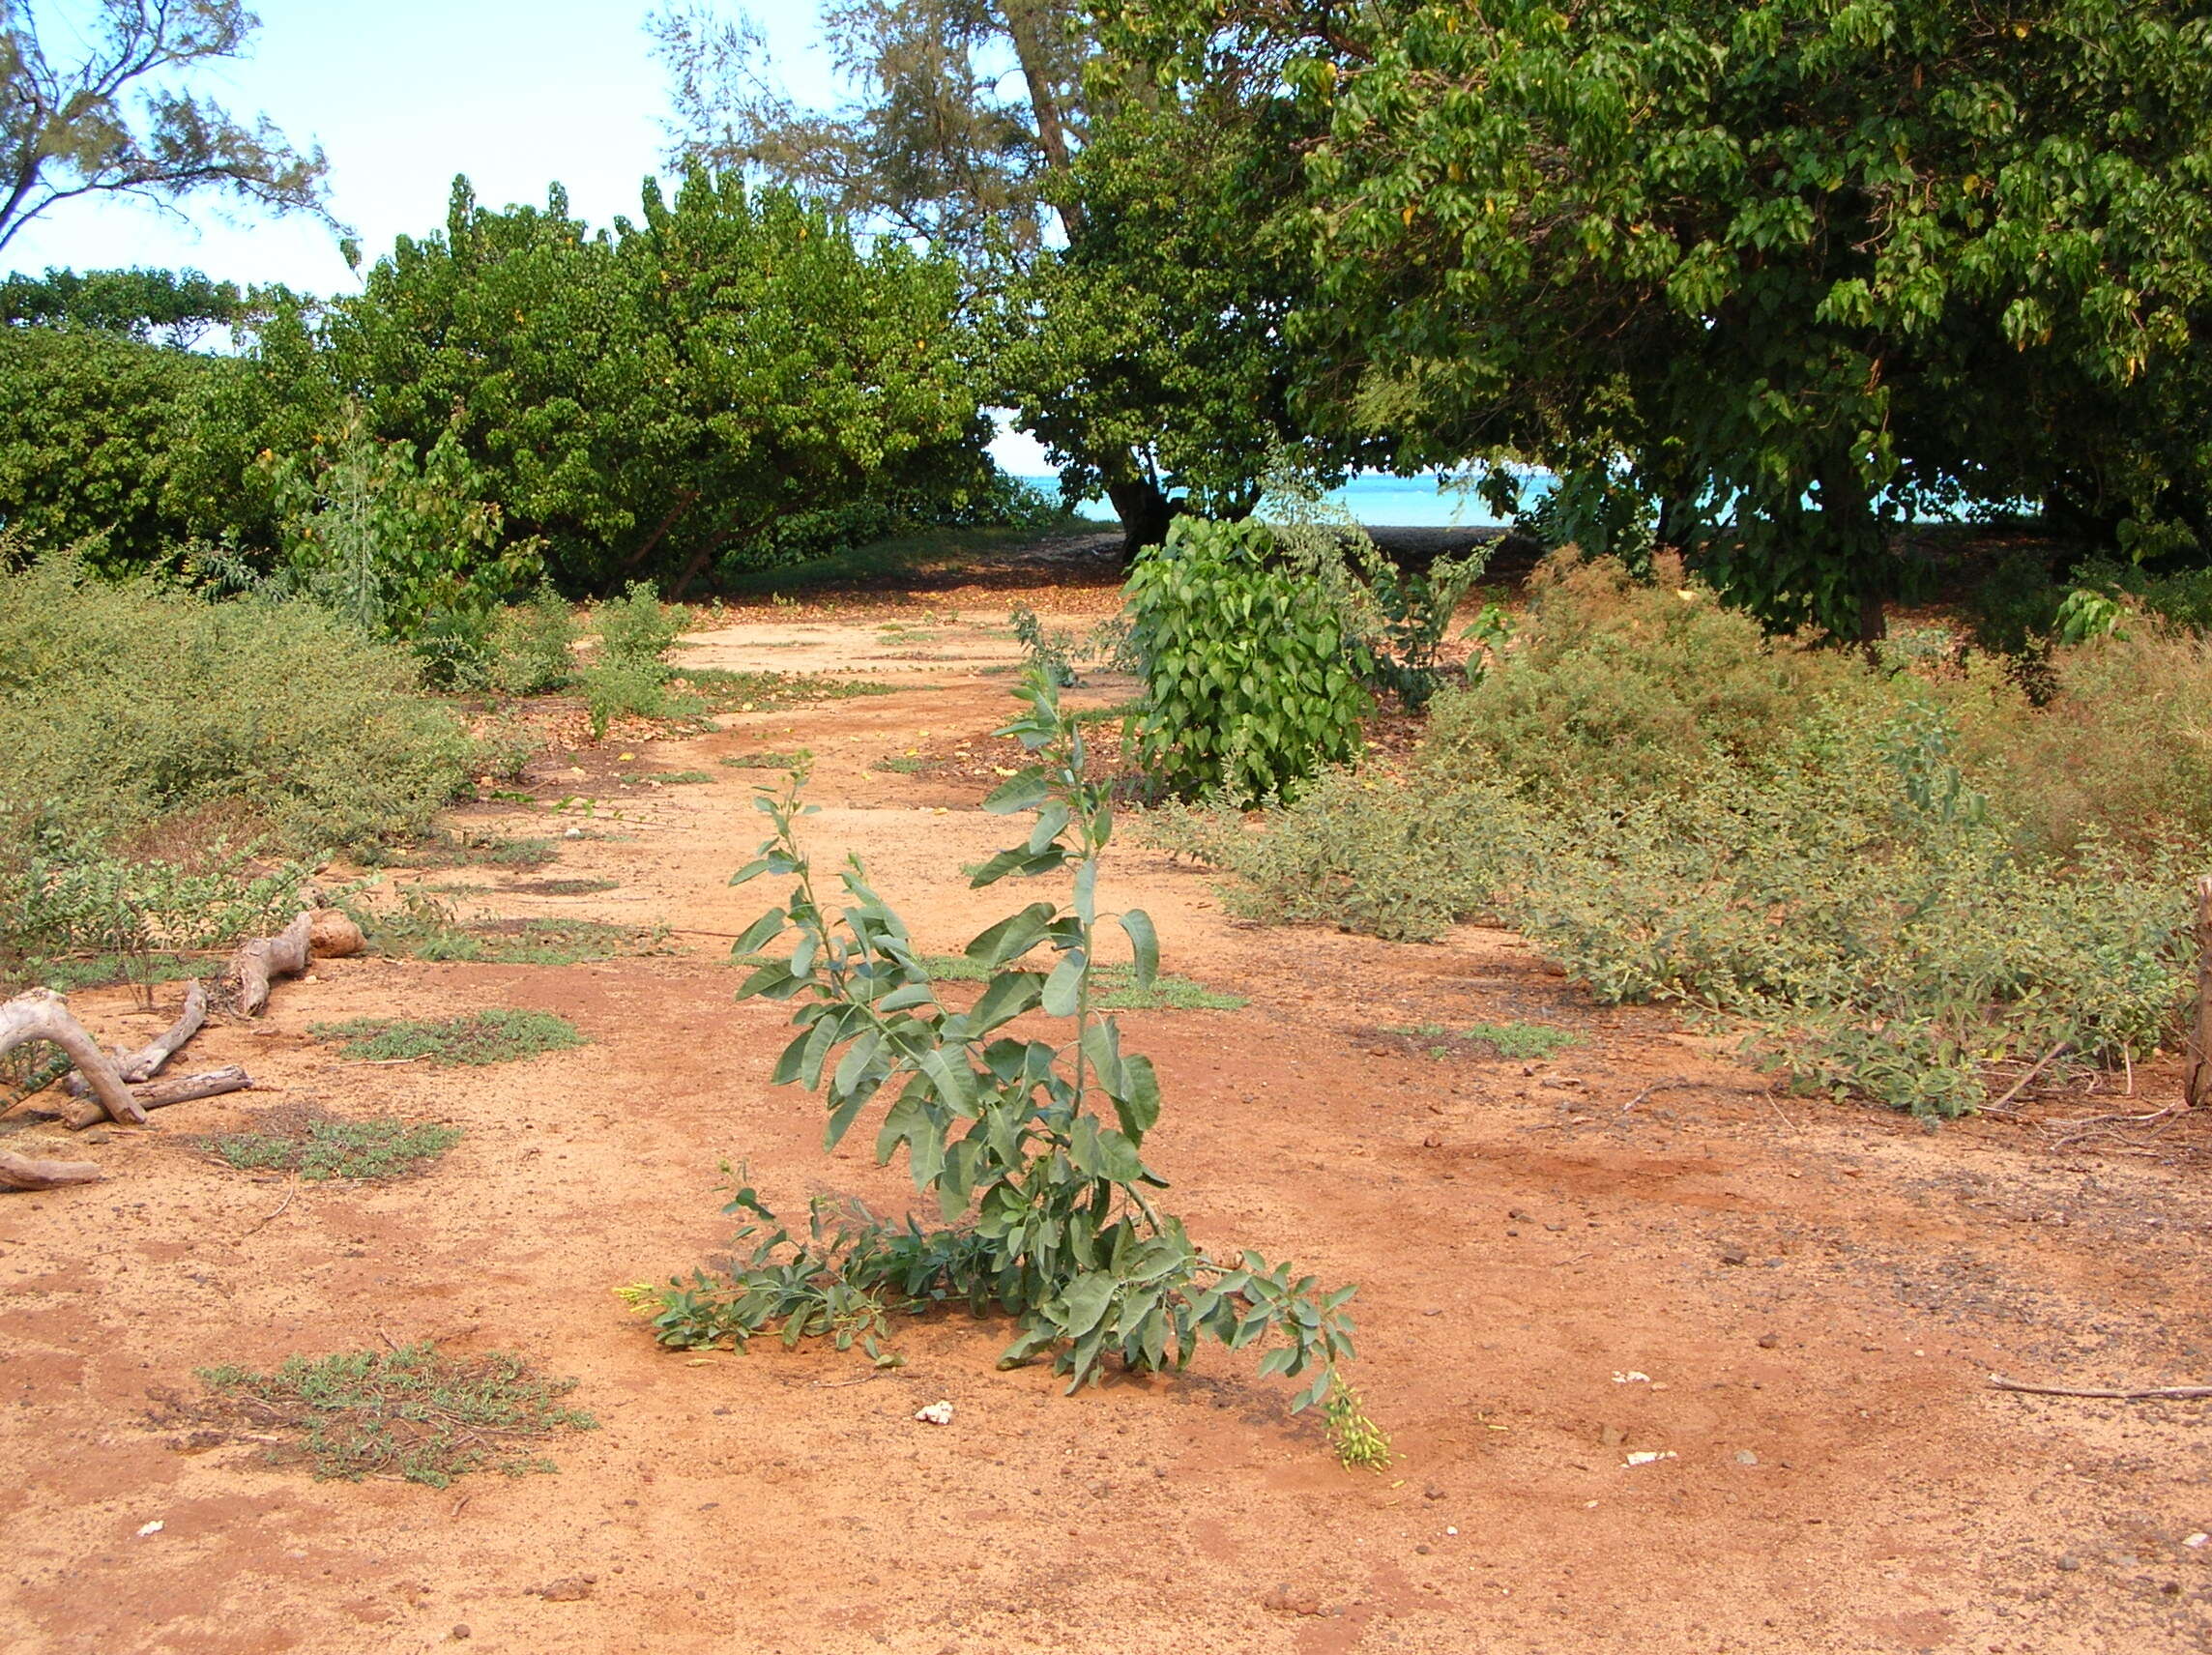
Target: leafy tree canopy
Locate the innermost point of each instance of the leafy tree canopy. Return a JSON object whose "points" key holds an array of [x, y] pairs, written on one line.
{"points": [[121, 119], [173, 307], [1787, 269], [643, 398]]}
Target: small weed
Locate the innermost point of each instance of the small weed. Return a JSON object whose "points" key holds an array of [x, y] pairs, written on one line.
{"points": [[767, 761], [682, 778], [496, 1037], [321, 1146], [412, 1413], [1361, 1443], [910, 764]]}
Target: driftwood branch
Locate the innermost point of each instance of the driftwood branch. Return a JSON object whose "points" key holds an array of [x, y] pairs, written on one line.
{"points": [[250, 970], [21, 1172], [41, 1014], [146, 1061], [2155, 1393], [163, 1094]]}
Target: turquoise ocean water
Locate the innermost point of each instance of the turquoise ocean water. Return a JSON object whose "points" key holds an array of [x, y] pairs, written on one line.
{"points": [[1376, 501]]}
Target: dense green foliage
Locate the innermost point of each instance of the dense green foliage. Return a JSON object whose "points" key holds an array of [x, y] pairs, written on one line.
{"points": [[1033, 1148], [154, 738], [90, 426], [1250, 684], [1782, 272], [732, 381], [1900, 878], [171, 308]]}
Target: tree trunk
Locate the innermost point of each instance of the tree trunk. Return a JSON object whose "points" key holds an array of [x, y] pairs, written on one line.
{"points": [[1144, 511], [44, 1015]]}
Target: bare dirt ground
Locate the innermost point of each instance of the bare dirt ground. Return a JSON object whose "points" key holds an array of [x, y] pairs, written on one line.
{"points": [[1633, 1248]]}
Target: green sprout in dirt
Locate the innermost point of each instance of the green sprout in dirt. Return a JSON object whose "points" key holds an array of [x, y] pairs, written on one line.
{"points": [[320, 1146], [1033, 1148], [411, 1412], [495, 1037]]}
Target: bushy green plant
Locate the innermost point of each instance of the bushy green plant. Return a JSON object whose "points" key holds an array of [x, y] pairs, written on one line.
{"points": [[1033, 1148], [1248, 685], [532, 645], [637, 627], [1620, 688], [1363, 852], [1894, 878], [176, 767]]}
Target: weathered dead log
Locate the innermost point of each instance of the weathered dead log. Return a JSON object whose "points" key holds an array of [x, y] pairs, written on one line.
{"points": [[2198, 1090], [146, 1061], [256, 963], [163, 1094], [21, 1172], [41, 1014]]}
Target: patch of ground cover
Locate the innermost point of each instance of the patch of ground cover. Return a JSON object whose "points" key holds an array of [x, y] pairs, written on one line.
{"points": [[424, 928], [321, 1147], [723, 689], [469, 849], [1119, 991], [677, 778], [499, 1036], [766, 761], [1519, 1042], [411, 1412], [558, 887], [106, 970]]}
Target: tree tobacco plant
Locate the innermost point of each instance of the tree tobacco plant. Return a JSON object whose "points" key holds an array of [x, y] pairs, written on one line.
{"points": [[1033, 1148]]}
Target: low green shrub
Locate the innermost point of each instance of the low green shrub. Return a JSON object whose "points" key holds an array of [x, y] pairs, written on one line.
{"points": [[1249, 688], [637, 627], [532, 645], [1618, 688], [1896, 878], [122, 706], [1360, 850]]}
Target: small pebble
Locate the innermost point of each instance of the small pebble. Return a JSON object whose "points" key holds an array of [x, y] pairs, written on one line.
{"points": [[1745, 1456], [2068, 1561], [460, 1631]]}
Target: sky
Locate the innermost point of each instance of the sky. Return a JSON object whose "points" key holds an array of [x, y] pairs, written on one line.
{"points": [[404, 94]]}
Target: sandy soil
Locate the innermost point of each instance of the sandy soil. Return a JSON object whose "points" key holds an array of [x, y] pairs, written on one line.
{"points": [[1633, 1248]]}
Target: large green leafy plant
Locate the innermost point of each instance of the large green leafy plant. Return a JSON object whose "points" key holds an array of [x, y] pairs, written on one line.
{"points": [[1251, 685], [1032, 1146]]}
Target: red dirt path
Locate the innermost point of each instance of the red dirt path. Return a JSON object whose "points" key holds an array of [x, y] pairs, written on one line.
{"points": [[1816, 1294]]}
